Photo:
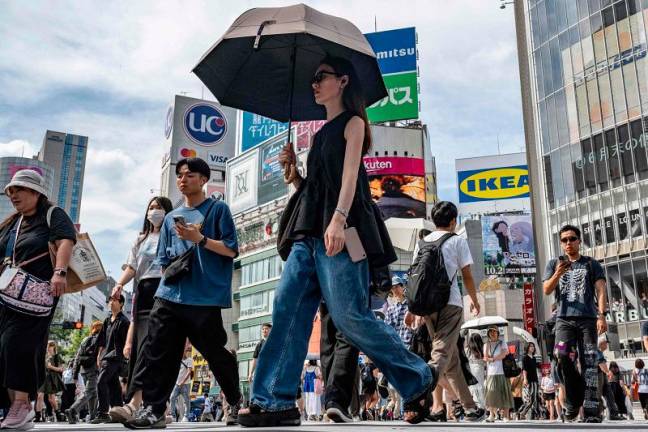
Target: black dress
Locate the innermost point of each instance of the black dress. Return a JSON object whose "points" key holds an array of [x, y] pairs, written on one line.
{"points": [[312, 207], [23, 338]]}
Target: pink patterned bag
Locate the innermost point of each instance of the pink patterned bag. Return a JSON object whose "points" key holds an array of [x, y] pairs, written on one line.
{"points": [[24, 292]]}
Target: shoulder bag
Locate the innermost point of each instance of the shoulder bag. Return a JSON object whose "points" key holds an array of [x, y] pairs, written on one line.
{"points": [[19, 290]]}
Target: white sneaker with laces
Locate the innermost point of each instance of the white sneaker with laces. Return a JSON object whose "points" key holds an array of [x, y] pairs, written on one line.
{"points": [[20, 416]]}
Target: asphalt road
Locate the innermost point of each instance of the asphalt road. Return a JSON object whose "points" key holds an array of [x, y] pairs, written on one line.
{"points": [[374, 427]]}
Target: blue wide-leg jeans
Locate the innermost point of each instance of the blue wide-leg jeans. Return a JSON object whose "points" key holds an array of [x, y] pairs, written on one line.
{"points": [[308, 276]]}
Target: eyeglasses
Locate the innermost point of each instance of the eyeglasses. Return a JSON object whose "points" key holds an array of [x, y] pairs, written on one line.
{"points": [[568, 239], [319, 76]]}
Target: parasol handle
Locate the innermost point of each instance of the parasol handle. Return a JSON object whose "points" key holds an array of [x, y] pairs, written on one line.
{"points": [[290, 170]]}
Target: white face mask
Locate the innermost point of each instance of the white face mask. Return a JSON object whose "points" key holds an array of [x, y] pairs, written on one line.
{"points": [[156, 217]]}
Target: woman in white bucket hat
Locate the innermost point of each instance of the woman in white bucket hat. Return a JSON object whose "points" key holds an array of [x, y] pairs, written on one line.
{"points": [[23, 337]]}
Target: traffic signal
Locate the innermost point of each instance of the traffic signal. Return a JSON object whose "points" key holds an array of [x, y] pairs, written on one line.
{"points": [[72, 325]]}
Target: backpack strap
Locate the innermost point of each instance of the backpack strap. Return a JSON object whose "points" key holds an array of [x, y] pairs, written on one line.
{"points": [[441, 240]]}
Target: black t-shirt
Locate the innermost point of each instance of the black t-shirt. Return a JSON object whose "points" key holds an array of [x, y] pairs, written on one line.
{"points": [[530, 366], [576, 293], [34, 237], [257, 350]]}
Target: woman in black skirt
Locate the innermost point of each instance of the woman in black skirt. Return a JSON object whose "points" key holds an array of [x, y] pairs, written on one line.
{"points": [[146, 275], [23, 337], [53, 382]]}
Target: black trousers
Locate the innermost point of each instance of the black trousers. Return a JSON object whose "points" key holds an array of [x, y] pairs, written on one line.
{"points": [[109, 390], [577, 337], [144, 299], [170, 324], [339, 363]]}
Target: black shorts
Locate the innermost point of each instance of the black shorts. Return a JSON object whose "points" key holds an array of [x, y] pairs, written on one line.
{"points": [[643, 399], [644, 329], [549, 396]]}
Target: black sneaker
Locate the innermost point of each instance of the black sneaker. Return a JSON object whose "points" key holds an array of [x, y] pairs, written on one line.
{"points": [[439, 416], [617, 417], [147, 419], [592, 419], [570, 417], [474, 415], [72, 416], [337, 414], [101, 419]]}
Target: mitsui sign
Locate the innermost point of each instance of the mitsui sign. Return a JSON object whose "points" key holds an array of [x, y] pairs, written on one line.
{"points": [[397, 58]]}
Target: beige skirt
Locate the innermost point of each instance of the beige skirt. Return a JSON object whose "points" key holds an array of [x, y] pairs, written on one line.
{"points": [[498, 392]]}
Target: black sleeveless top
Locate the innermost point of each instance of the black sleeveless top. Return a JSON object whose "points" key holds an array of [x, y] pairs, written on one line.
{"points": [[319, 192]]}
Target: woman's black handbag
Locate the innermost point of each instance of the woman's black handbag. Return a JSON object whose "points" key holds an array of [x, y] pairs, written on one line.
{"points": [[510, 366], [181, 266]]}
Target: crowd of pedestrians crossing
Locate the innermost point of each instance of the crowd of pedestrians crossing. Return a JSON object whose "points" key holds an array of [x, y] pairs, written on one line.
{"points": [[415, 365]]}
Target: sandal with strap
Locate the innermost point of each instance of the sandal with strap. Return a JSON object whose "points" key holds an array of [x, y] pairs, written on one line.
{"points": [[255, 416], [421, 405]]}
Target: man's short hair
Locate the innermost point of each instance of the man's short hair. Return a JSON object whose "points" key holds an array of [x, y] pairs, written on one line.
{"points": [[639, 364], [121, 299], [266, 325], [195, 165], [567, 228], [443, 213]]}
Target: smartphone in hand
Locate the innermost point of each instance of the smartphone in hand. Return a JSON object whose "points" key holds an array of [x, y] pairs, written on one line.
{"points": [[179, 220]]}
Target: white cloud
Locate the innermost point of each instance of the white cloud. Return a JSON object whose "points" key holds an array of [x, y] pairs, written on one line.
{"points": [[17, 147]]}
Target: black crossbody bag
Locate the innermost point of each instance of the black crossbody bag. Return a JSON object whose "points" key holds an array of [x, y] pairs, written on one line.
{"points": [[181, 266]]}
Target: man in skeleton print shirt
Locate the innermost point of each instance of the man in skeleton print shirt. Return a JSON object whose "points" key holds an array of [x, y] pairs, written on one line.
{"points": [[578, 284]]}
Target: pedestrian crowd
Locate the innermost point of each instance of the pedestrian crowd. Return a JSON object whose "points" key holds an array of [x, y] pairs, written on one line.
{"points": [[416, 365]]}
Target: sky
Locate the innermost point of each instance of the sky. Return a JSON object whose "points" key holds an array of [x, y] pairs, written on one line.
{"points": [[109, 70]]}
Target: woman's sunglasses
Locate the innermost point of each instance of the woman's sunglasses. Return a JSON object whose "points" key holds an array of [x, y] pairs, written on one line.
{"points": [[319, 76]]}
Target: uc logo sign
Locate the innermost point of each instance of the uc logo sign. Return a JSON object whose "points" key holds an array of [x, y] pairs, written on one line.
{"points": [[494, 184], [204, 124]]}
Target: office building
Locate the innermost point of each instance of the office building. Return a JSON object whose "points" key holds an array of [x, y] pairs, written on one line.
{"points": [[9, 166]]}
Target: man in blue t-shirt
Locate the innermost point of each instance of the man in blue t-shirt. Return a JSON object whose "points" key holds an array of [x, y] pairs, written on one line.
{"points": [[189, 305], [578, 284]]}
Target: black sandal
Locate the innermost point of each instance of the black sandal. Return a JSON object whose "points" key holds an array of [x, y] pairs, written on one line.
{"points": [[421, 405], [258, 417]]}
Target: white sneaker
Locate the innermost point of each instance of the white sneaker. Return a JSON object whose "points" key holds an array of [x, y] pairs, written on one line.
{"points": [[185, 419]]}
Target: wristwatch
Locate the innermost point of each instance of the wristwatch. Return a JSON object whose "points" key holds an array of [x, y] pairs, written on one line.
{"points": [[60, 272], [203, 241]]}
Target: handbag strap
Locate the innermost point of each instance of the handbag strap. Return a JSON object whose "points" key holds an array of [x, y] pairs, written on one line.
{"points": [[10, 251]]}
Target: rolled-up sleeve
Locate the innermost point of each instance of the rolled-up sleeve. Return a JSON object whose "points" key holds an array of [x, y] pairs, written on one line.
{"points": [[162, 257], [226, 228]]}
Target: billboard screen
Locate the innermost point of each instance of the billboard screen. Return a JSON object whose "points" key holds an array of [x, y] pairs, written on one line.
{"points": [[508, 244], [492, 184], [395, 49], [397, 185], [271, 180]]}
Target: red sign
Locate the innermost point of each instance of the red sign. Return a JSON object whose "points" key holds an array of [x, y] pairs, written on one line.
{"points": [[394, 165], [527, 308], [305, 131]]}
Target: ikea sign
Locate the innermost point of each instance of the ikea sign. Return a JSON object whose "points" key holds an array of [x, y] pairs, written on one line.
{"points": [[493, 184]]}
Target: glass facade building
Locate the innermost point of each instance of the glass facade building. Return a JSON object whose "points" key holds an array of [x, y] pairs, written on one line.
{"points": [[588, 79], [67, 154]]}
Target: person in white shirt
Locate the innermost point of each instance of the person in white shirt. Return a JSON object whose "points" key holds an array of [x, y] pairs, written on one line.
{"points": [[548, 387], [444, 325], [183, 385], [498, 387]]}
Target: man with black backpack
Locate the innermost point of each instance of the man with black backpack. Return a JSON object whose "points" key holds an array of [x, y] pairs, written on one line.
{"points": [[578, 285], [433, 292], [85, 362]]}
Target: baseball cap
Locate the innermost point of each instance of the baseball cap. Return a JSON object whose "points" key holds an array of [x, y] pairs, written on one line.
{"points": [[397, 281], [29, 179]]}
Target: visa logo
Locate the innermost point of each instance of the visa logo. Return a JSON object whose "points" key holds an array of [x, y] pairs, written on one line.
{"points": [[216, 159], [494, 184]]}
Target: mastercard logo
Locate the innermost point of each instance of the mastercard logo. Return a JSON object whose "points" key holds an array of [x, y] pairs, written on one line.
{"points": [[188, 153]]}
